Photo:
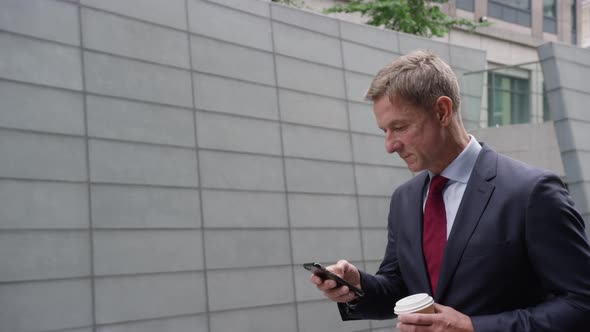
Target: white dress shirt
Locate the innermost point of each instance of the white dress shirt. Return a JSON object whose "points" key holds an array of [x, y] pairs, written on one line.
{"points": [[458, 172]]}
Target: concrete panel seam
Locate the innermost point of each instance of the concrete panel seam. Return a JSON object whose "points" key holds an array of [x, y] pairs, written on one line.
{"points": [[101, 94], [574, 150], [40, 85], [350, 145], [255, 229], [117, 140], [310, 13], [323, 65], [369, 46], [122, 229], [357, 102], [236, 9], [40, 132], [563, 60], [308, 61], [249, 268], [561, 87], [284, 167], [87, 155], [272, 86], [246, 117], [30, 281], [261, 154], [143, 185], [42, 230], [122, 322], [42, 180], [144, 228], [199, 176], [131, 17], [126, 57], [74, 327], [194, 34], [571, 119], [138, 142], [155, 103], [18, 34], [306, 29], [259, 306], [153, 273], [145, 320]]}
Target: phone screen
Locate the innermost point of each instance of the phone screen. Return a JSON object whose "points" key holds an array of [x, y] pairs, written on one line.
{"points": [[321, 272]]}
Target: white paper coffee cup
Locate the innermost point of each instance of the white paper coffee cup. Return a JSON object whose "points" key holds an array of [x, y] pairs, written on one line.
{"points": [[417, 303]]}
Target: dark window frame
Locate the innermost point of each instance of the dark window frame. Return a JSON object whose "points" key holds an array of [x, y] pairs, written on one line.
{"points": [[517, 94], [510, 13], [550, 22], [468, 5]]}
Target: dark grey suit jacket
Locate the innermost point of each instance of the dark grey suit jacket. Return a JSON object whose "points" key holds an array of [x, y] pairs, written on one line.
{"points": [[517, 257]]}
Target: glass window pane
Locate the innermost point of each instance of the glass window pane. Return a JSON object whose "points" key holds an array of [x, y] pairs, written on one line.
{"points": [[549, 25], [466, 5], [521, 4], [494, 10], [518, 12], [523, 19], [549, 8], [508, 100], [509, 15]]}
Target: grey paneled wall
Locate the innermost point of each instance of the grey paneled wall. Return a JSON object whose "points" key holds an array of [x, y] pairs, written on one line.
{"points": [[168, 165], [566, 69]]}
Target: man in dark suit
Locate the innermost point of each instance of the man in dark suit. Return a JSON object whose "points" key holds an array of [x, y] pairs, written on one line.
{"points": [[498, 242]]}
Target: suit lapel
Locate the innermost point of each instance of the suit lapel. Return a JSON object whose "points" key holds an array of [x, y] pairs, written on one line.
{"points": [[474, 202], [415, 221]]}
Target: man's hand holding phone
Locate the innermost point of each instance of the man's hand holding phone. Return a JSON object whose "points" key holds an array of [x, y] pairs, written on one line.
{"points": [[335, 289]]}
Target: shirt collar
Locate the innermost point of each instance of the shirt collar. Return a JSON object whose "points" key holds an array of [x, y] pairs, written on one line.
{"points": [[460, 169]]}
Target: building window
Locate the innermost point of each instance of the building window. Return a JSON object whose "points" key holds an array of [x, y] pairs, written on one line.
{"points": [[574, 23], [468, 5], [508, 100], [546, 110], [517, 11], [585, 25], [520, 4], [549, 9], [549, 16]]}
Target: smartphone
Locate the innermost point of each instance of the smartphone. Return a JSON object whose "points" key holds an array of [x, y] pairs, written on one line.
{"points": [[321, 272]]}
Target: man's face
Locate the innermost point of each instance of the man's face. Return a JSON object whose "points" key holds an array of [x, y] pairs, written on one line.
{"points": [[415, 134]]}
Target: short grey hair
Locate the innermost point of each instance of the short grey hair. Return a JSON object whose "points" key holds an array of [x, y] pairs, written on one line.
{"points": [[420, 77]]}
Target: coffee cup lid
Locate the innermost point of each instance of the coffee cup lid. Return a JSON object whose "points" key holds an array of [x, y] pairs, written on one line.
{"points": [[413, 303]]}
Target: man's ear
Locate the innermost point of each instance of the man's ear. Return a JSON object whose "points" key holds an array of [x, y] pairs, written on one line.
{"points": [[444, 110]]}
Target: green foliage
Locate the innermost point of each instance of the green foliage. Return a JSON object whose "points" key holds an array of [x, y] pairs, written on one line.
{"points": [[418, 17]]}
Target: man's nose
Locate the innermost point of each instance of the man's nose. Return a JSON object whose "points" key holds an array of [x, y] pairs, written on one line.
{"points": [[391, 144]]}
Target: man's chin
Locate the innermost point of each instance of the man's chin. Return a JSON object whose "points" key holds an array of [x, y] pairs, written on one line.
{"points": [[413, 166], [415, 169]]}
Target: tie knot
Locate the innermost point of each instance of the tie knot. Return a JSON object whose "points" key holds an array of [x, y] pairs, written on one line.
{"points": [[437, 183]]}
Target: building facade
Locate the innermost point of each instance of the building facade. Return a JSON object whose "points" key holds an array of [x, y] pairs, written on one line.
{"points": [[167, 166], [513, 92]]}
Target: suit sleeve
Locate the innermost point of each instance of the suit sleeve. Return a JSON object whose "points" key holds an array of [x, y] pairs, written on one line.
{"points": [[559, 252], [384, 288]]}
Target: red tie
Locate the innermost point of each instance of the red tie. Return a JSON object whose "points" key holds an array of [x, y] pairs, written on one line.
{"points": [[434, 238]]}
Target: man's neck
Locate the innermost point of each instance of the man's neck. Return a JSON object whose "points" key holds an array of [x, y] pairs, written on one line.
{"points": [[456, 143]]}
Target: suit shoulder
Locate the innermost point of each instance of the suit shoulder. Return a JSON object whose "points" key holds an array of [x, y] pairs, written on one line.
{"points": [[417, 180], [516, 170], [510, 163]]}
